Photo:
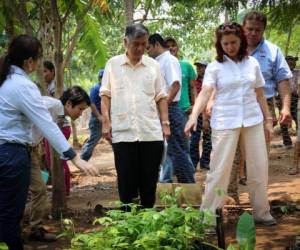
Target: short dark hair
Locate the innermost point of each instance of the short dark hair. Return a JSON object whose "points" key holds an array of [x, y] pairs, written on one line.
{"points": [[21, 48], [257, 16], [49, 65], [227, 29], [157, 38], [170, 39], [75, 95], [136, 30]]}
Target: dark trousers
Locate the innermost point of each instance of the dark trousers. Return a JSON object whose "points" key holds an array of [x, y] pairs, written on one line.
{"points": [[15, 166], [178, 146], [284, 127], [137, 165], [206, 145]]}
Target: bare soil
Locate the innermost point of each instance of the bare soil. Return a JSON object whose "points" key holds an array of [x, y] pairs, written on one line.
{"points": [[87, 192]]}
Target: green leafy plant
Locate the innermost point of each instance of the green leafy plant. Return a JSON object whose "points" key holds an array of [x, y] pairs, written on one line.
{"points": [[3, 246], [172, 228], [245, 232]]}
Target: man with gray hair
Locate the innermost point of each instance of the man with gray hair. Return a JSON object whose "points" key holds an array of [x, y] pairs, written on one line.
{"points": [[135, 117]]}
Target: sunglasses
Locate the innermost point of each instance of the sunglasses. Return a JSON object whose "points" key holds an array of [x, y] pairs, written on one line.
{"points": [[232, 25]]}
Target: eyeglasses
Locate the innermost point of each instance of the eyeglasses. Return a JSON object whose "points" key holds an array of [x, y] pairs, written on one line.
{"points": [[232, 25]]}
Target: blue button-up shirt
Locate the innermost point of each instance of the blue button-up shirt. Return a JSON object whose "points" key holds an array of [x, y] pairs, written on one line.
{"points": [[21, 106], [273, 66]]}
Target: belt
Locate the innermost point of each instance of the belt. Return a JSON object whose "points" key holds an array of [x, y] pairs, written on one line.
{"points": [[173, 104]]}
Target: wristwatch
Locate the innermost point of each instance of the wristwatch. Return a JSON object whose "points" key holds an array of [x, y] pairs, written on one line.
{"points": [[165, 123]]}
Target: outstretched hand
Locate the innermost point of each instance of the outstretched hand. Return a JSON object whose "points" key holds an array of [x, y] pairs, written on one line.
{"points": [[85, 166]]}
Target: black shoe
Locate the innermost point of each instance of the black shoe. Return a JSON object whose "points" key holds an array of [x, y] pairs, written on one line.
{"points": [[41, 234], [204, 166]]}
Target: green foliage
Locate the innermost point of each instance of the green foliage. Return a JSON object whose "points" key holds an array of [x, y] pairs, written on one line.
{"points": [[245, 232], [141, 229], [3, 246]]}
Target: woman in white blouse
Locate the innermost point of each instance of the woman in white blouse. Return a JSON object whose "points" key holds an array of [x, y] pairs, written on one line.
{"points": [[240, 111]]}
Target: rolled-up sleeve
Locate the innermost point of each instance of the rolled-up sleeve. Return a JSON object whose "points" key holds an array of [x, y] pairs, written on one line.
{"points": [[160, 85], [30, 103], [281, 68], [105, 89]]}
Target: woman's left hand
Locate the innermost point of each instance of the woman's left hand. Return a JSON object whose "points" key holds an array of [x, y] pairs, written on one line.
{"points": [[268, 127]]}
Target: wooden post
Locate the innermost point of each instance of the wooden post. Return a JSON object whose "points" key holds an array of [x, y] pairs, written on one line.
{"points": [[220, 229]]}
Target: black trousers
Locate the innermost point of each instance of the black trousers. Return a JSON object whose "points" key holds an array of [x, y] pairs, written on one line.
{"points": [[286, 138], [137, 165], [15, 167]]}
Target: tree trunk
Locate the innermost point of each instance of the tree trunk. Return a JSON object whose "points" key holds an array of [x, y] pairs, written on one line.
{"points": [[58, 192], [59, 204], [129, 9], [76, 144], [286, 51]]}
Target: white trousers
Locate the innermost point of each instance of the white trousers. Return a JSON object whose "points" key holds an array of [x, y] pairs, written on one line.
{"points": [[224, 144]]}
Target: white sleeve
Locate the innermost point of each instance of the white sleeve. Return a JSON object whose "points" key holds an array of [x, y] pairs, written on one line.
{"points": [[259, 79], [210, 76], [173, 72], [31, 105]]}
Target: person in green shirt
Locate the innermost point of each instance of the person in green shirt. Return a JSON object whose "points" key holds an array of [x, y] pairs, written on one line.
{"points": [[188, 91]]}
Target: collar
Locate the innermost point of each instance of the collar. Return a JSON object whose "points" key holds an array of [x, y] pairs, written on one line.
{"points": [[227, 58], [167, 52], [259, 48], [17, 70], [125, 60]]}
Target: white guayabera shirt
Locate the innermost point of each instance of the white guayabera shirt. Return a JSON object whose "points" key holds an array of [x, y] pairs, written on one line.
{"points": [[235, 104], [134, 91]]}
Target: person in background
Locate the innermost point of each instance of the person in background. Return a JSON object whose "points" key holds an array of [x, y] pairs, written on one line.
{"points": [[196, 135], [188, 75], [239, 111], [295, 86], [75, 100], [21, 106], [135, 117], [95, 123], [286, 138], [49, 77], [273, 65], [178, 146]]}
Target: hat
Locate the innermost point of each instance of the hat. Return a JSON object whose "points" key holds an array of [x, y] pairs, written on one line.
{"points": [[100, 73], [291, 58], [201, 63]]}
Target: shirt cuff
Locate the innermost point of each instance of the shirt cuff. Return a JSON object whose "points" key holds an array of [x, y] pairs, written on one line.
{"points": [[69, 154], [160, 96], [105, 92]]}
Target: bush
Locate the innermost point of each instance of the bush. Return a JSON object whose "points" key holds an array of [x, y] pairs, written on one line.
{"points": [[172, 228]]}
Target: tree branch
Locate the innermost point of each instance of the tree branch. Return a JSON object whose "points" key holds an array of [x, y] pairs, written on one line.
{"points": [[72, 41], [22, 15], [64, 19]]}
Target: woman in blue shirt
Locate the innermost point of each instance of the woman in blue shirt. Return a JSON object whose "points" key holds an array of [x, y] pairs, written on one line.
{"points": [[21, 106]]}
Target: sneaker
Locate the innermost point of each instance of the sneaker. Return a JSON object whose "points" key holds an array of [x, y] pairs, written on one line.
{"points": [[41, 234], [271, 222]]}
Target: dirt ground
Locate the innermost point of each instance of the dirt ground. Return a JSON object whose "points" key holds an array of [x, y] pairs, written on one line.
{"points": [[87, 192]]}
